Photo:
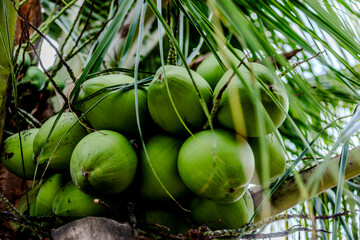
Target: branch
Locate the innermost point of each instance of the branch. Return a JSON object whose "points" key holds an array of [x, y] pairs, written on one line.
{"points": [[290, 193], [225, 234], [299, 63], [280, 234]]}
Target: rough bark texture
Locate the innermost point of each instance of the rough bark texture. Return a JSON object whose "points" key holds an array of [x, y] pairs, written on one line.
{"points": [[32, 12], [289, 193], [94, 228]]}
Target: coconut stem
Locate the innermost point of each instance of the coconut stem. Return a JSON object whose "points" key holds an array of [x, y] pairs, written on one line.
{"points": [[172, 56], [299, 63]]}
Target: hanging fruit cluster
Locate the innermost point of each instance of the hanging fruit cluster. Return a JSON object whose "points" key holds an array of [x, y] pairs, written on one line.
{"points": [[175, 159]]}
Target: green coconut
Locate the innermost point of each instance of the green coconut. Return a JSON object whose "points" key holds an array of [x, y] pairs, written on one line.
{"points": [[217, 165], [70, 204], [103, 163], [183, 95], [163, 152], [211, 70], [59, 82], [35, 77], [222, 216], [270, 160], [237, 110], [117, 111], [23, 206], [62, 141], [27, 204], [11, 153], [47, 192]]}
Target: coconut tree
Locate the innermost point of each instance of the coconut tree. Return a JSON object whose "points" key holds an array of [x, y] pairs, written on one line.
{"points": [[312, 47]]}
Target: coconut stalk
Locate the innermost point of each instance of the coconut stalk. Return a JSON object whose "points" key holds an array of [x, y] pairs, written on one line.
{"points": [[7, 27], [290, 193]]}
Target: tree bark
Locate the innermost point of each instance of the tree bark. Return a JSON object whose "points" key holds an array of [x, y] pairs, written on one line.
{"points": [[32, 12], [290, 193]]}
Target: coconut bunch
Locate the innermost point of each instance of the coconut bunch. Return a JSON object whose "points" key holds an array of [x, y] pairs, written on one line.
{"points": [[94, 166]]}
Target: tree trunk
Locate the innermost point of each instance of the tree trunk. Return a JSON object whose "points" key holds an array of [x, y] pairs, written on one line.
{"points": [[290, 193]]}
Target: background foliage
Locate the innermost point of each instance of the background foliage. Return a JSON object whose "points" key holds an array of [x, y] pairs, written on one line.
{"points": [[94, 37]]}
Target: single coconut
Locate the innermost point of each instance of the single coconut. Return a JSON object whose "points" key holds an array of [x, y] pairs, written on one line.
{"points": [[22, 204], [238, 111], [211, 70], [47, 192], [117, 111], [11, 153], [70, 204], [175, 86], [163, 151], [62, 141], [270, 160], [103, 163], [223, 216], [217, 165], [35, 77]]}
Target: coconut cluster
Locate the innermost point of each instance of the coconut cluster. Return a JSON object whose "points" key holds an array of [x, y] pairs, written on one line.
{"points": [[175, 159]]}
